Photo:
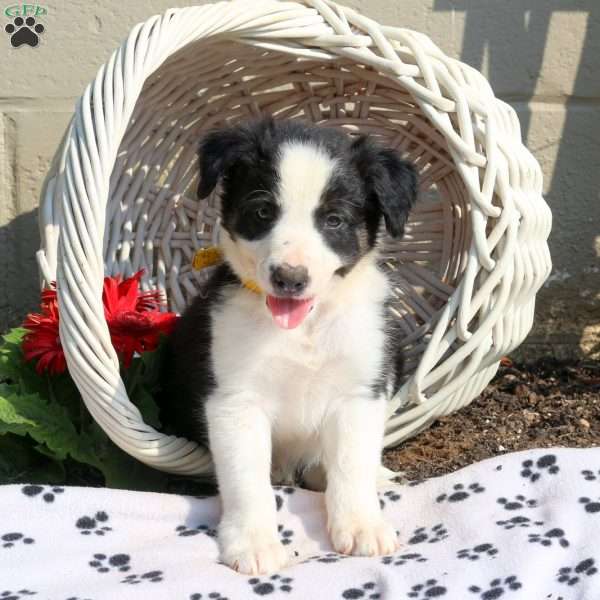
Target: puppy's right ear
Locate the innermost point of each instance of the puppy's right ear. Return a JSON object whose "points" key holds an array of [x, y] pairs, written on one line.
{"points": [[219, 150]]}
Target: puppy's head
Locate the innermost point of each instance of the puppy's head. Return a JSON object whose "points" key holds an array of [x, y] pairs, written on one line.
{"points": [[301, 205]]}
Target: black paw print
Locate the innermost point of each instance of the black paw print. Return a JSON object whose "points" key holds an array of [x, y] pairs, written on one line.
{"points": [[211, 595], [285, 535], [546, 463], [279, 498], [547, 538], [572, 575], [478, 552], [10, 539], [24, 32], [367, 590], [35, 490], [89, 525], [184, 531], [152, 576], [327, 558], [460, 493], [274, 583], [76, 598], [497, 588], [429, 589], [518, 503], [590, 475], [104, 564], [402, 559], [8, 595], [437, 534], [590, 506], [519, 521], [389, 496]]}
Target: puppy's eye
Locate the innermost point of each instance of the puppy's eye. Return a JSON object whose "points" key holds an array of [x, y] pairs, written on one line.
{"points": [[266, 212], [333, 221]]}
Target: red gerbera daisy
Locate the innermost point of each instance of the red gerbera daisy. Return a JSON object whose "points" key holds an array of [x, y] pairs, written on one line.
{"points": [[133, 319], [42, 341]]}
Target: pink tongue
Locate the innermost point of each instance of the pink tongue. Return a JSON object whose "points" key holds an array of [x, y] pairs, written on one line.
{"points": [[288, 313]]}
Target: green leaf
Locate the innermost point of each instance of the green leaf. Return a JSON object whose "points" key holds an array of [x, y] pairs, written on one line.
{"points": [[121, 470], [46, 422]]}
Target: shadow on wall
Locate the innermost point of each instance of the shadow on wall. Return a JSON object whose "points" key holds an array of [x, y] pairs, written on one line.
{"points": [[511, 37], [19, 241]]}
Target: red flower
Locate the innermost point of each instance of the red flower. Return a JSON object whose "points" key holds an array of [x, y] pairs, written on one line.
{"points": [[133, 319], [42, 341], [134, 322]]}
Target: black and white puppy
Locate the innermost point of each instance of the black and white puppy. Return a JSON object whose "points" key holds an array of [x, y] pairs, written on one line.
{"points": [[293, 377]]}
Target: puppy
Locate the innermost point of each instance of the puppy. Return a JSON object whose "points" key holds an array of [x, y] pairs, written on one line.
{"points": [[284, 364]]}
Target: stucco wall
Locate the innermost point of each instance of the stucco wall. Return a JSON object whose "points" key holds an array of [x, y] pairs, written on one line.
{"points": [[542, 56]]}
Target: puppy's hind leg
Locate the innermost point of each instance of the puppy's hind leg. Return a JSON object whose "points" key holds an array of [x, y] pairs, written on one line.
{"points": [[240, 440]]}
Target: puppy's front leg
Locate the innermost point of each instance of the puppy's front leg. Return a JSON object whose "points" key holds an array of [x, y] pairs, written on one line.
{"points": [[240, 441], [352, 441]]}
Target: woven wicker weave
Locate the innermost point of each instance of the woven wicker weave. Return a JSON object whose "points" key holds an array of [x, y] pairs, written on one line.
{"points": [[121, 191]]}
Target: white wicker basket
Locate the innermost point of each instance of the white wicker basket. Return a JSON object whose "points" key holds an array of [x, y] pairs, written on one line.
{"points": [[121, 191]]}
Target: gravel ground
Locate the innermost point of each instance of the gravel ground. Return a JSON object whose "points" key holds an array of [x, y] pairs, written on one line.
{"points": [[534, 406]]}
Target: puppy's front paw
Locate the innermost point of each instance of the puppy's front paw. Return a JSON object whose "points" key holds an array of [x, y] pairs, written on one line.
{"points": [[251, 551], [363, 536]]}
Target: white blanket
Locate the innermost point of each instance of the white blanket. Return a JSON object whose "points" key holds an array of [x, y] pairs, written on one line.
{"points": [[521, 526]]}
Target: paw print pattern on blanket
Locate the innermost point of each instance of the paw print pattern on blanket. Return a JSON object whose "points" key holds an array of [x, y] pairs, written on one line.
{"points": [[151, 576], [460, 493], [591, 506], [497, 588], [589, 475], [429, 589], [280, 493], [88, 525], [477, 552], [518, 503], [436, 534], [104, 564], [285, 535], [389, 496], [8, 595], [327, 558], [519, 521], [399, 560], [9, 540], [547, 539], [367, 590], [185, 531], [48, 494], [269, 586], [209, 596], [572, 575], [545, 464]]}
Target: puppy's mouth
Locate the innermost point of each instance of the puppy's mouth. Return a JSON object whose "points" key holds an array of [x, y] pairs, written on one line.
{"points": [[289, 313]]}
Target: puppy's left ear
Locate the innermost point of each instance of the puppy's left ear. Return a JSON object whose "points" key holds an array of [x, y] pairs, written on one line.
{"points": [[390, 182]]}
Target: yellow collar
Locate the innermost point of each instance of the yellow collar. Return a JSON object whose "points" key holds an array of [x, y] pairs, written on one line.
{"points": [[212, 255]]}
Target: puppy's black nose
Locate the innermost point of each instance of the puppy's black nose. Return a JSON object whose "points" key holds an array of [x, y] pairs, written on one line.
{"points": [[288, 280]]}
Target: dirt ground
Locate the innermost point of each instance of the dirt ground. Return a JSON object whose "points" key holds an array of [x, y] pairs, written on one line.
{"points": [[535, 406]]}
